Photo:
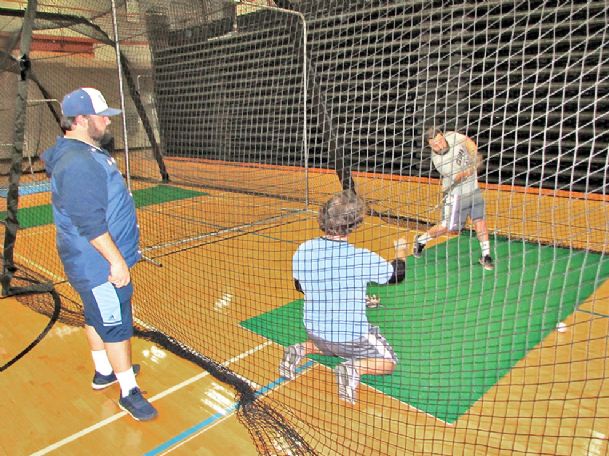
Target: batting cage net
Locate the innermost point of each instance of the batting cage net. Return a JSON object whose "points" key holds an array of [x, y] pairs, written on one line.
{"points": [[241, 119]]}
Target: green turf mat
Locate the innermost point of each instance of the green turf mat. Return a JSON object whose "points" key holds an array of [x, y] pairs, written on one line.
{"points": [[456, 328], [43, 215], [162, 194], [33, 216]]}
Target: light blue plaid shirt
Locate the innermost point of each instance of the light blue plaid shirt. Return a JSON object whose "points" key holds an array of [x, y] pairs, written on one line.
{"points": [[334, 276]]}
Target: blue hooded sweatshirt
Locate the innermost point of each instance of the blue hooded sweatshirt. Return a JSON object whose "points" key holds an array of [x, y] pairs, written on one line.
{"points": [[89, 198]]}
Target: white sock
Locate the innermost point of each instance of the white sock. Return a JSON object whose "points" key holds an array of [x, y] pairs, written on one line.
{"points": [[424, 238], [486, 248], [127, 381], [101, 361]]}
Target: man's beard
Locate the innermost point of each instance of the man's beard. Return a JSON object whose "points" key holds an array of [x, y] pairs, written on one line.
{"points": [[107, 141], [441, 151], [97, 135]]}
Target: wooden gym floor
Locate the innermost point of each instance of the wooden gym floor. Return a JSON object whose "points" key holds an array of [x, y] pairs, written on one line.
{"points": [[49, 407]]}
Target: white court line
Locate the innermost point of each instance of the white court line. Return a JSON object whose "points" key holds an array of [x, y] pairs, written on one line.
{"points": [[162, 394], [238, 228], [51, 274]]}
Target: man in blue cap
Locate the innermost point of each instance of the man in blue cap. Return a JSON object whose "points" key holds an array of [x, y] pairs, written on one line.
{"points": [[97, 240]]}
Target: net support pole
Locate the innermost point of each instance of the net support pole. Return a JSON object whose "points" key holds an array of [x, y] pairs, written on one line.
{"points": [[12, 198], [305, 143], [117, 49], [48, 102]]}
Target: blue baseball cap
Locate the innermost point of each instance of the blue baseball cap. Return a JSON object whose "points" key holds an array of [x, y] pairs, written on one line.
{"points": [[86, 101]]}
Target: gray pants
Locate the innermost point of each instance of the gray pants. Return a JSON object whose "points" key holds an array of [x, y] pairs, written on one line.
{"points": [[373, 345], [458, 207]]}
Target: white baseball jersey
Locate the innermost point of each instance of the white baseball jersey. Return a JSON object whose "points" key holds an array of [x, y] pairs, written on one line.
{"points": [[455, 160]]}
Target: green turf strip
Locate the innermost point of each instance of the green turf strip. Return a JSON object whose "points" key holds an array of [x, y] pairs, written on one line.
{"points": [[43, 215], [456, 328]]}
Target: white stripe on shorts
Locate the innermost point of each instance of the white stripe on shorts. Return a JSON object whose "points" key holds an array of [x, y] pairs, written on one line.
{"points": [[455, 211], [380, 347], [108, 303]]}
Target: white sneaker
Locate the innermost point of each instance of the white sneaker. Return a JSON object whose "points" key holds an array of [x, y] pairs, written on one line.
{"points": [[347, 378], [292, 356], [487, 262]]}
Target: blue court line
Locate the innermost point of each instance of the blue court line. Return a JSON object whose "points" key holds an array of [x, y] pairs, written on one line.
{"points": [[28, 188], [215, 417]]}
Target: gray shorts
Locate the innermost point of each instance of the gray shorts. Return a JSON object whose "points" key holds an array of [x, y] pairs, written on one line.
{"points": [[458, 207], [373, 345]]}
